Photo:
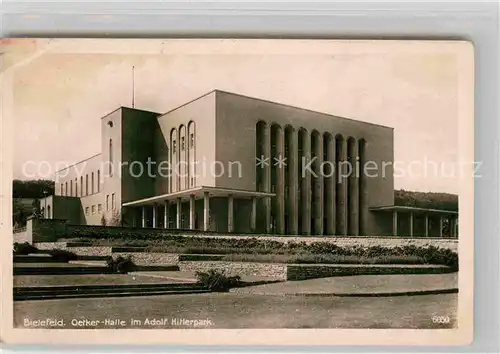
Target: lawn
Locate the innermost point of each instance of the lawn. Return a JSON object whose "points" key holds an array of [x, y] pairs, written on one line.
{"points": [[227, 310], [86, 279]]}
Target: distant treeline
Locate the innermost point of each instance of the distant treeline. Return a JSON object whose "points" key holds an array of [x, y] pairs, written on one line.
{"points": [[32, 189], [431, 200]]}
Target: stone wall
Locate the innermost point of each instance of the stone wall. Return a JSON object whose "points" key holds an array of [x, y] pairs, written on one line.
{"points": [[50, 245], [143, 258], [271, 270], [91, 250], [22, 237]]}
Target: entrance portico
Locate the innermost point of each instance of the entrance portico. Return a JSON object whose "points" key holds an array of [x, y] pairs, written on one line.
{"points": [[413, 221], [201, 208]]}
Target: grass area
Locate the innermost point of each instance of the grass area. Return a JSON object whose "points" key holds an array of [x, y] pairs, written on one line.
{"points": [[87, 279], [227, 310], [293, 252]]}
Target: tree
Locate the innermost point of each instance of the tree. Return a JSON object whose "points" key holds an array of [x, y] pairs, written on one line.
{"points": [[429, 200], [116, 219], [32, 188]]}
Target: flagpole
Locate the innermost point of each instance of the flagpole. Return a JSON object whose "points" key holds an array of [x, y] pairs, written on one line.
{"points": [[133, 86]]}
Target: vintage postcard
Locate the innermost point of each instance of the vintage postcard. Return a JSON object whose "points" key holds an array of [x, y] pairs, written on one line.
{"points": [[237, 191]]}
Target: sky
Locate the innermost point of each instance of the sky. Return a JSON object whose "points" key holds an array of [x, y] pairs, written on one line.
{"points": [[61, 93]]}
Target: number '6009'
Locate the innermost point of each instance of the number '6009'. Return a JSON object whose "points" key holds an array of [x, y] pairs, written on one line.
{"points": [[440, 319]]}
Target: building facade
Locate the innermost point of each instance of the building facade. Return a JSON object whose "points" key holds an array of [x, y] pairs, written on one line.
{"points": [[230, 163]]}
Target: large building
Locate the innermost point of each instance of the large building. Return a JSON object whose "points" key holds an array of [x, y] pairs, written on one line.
{"points": [[229, 163]]}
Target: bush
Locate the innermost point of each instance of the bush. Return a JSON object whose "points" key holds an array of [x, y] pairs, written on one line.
{"points": [[121, 265], [62, 255], [216, 280], [24, 248]]}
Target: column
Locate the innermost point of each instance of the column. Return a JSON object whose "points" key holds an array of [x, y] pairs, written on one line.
{"points": [[179, 213], [318, 186], [330, 188], [280, 181], [362, 188], [143, 216], [154, 215], [253, 216], [440, 226], [306, 187], [426, 225], [353, 193], [394, 223], [230, 213], [411, 223], [267, 175], [293, 171], [206, 211], [342, 180], [166, 221], [192, 209]]}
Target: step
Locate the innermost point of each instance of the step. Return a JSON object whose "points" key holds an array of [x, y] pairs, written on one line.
{"points": [[60, 270], [120, 294], [106, 287], [35, 259]]}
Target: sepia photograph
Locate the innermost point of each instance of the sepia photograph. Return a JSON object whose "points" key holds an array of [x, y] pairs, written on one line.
{"points": [[217, 184]]}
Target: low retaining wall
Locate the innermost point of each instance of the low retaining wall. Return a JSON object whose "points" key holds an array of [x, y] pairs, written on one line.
{"points": [[150, 258], [44, 246], [271, 270], [22, 237]]}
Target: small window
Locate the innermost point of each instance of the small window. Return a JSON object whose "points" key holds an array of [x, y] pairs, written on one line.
{"points": [[192, 181], [99, 208], [182, 144], [107, 202], [113, 206], [191, 137], [93, 209], [86, 210]]}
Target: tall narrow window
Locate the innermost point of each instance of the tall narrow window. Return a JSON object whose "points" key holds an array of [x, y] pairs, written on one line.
{"points": [[92, 183], [62, 189], [81, 186], [113, 205], [76, 187], [110, 157], [86, 184], [66, 188], [71, 188], [107, 202], [98, 180]]}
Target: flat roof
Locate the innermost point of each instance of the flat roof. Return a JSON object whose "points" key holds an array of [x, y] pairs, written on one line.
{"points": [[410, 209], [198, 192]]}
